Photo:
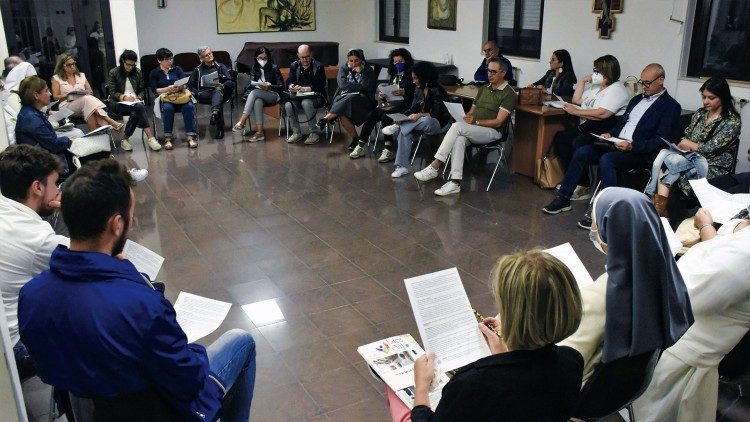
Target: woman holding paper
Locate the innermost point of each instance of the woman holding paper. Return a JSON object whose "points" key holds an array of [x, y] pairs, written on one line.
{"points": [[400, 63], [640, 304], [70, 87], [165, 80], [560, 78], [527, 377], [703, 151], [264, 90], [126, 99], [685, 382]]}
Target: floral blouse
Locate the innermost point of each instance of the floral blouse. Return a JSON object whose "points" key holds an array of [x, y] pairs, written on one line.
{"points": [[727, 130]]}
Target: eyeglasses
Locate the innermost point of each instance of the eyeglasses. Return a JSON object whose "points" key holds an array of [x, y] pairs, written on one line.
{"points": [[70, 64], [595, 70], [647, 84], [493, 72], [487, 50]]}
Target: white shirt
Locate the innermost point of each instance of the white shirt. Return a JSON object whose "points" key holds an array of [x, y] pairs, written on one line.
{"points": [[26, 244], [635, 115], [614, 98], [17, 74]]}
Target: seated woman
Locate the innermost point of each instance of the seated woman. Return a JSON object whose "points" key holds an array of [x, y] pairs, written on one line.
{"points": [[641, 303], [355, 97], [269, 93], [560, 78], [598, 100], [513, 383], [686, 379], [162, 81], [70, 87], [126, 84], [707, 140], [400, 65], [427, 113]]}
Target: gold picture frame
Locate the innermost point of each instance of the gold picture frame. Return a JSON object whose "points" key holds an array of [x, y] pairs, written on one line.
{"points": [[240, 16], [614, 6], [441, 14]]}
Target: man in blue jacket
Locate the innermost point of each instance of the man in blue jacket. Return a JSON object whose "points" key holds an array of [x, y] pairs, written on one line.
{"points": [[98, 329], [490, 49], [649, 119]]}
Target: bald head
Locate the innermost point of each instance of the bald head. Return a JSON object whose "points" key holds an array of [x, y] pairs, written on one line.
{"points": [[652, 79], [304, 55], [490, 49], [12, 61], [655, 68]]}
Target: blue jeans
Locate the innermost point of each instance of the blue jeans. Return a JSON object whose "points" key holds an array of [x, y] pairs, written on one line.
{"points": [[188, 115], [691, 165], [426, 125], [232, 358], [609, 164]]}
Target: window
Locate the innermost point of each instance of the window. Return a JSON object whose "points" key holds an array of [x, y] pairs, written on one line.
{"points": [[516, 25], [721, 40], [394, 21]]}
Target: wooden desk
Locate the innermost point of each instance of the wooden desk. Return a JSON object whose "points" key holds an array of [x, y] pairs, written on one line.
{"points": [[535, 127], [467, 92]]}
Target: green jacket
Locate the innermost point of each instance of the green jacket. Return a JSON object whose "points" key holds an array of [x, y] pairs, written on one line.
{"points": [[116, 84]]}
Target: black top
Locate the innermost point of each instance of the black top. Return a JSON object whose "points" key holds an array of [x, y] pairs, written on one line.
{"points": [[404, 82], [272, 75], [195, 84], [529, 385], [563, 86], [314, 76], [433, 104]]}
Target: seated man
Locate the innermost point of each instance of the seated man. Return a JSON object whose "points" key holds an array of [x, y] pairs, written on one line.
{"points": [[305, 75], [481, 125], [28, 183], [18, 69], [491, 49], [211, 83], [648, 119], [98, 329]]}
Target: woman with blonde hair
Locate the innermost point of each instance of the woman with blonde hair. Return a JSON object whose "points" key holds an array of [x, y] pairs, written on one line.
{"points": [[527, 376], [70, 87]]}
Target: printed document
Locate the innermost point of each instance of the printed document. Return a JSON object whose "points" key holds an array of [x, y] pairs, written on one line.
{"points": [[397, 117], [674, 242], [181, 82], [387, 90], [144, 259], [456, 110], [445, 319], [722, 205], [568, 256], [611, 139], [199, 316]]}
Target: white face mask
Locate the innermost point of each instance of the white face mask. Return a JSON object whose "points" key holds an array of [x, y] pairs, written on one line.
{"points": [[262, 63], [596, 242], [597, 79]]}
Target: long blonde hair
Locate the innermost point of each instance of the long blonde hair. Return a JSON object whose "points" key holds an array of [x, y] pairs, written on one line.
{"points": [[60, 65]]}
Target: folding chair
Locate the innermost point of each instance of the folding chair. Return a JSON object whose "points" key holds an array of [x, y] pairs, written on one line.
{"points": [[284, 118], [187, 61], [422, 135], [499, 146]]}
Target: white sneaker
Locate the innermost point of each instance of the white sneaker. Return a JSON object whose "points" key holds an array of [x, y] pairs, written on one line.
{"points": [[359, 151], [125, 145], [581, 193], [448, 188], [138, 175], [312, 138], [427, 173], [153, 144], [390, 130], [296, 137], [386, 156], [257, 137], [400, 171]]}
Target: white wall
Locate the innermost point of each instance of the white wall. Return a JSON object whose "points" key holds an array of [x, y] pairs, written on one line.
{"points": [[123, 22]]}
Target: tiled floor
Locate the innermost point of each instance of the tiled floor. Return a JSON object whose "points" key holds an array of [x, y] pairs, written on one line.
{"points": [[331, 240]]}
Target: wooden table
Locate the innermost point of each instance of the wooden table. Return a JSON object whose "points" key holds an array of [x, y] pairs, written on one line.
{"points": [[535, 127]]}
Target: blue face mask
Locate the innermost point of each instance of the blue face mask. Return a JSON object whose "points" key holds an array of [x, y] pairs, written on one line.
{"points": [[400, 67]]}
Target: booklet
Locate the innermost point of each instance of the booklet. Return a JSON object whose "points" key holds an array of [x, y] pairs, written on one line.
{"points": [[181, 82], [397, 117], [387, 90], [98, 131], [674, 147], [393, 360], [611, 139]]}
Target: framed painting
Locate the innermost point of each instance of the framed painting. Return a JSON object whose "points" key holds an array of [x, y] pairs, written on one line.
{"points": [[236, 16], [614, 5], [441, 14]]}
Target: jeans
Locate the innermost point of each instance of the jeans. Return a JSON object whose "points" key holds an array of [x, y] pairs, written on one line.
{"points": [[426, 125], [458, 137], [232, 358], [310, 109], [216, 96], [258, 99], [138, 116], [188, 115], [609, 164], [692, 165]]}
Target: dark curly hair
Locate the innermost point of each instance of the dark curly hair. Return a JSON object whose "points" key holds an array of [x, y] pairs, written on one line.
{"points": [[408, 59]]}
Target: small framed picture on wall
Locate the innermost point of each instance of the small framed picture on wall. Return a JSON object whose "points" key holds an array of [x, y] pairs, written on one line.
{"points": [[441, 14]]}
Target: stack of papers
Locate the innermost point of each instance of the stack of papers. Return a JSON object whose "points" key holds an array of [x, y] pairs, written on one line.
{"points": [[612, 139], [456, 110], [722, 205]]}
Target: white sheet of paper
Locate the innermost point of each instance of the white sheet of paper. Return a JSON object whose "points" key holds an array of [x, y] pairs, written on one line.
{"points": [[260, 83], [130, 103], [456, 110], [722, 205], [672, 146], [387, 90], [397, 117], [305, 94], [445, 319], [674, 242], [555, 104], [199, 316], [569, 257], [144, 259], [61, 114], [98, 130], [611, 139], [181, 82]]}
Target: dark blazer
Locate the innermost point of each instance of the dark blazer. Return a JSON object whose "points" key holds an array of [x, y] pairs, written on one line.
{"points": [[273, 75], [661, 120], [366, 85], [116, 84], [563, 86], [195, 82], [530, 385], [318, 81], [433, 104]]}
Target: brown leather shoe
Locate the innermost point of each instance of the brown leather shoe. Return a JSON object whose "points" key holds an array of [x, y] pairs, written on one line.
{"points": [[168, 143], [660, 203]]}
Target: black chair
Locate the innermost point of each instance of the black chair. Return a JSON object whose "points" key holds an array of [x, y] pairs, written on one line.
{"points": [[186, 61], [736, 365], [500, 147], [615, 386], [142, 405], [148, 63]]}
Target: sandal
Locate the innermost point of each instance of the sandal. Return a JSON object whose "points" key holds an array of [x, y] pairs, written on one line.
{"points": [[119, 127]]}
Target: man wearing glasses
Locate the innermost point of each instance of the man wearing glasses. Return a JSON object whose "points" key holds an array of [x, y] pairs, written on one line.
{"points": [[306, 75], [648, 119], [490, 50]]}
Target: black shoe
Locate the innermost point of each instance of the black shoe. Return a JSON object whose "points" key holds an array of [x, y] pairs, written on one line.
{"points": [[322, 124], [214, 118], [220, 133], [585, 222], [557, 206], [353, 144]]}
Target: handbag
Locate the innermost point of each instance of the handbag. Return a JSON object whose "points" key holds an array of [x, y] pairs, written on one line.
{"points": [[549, 170], [179, 97]]}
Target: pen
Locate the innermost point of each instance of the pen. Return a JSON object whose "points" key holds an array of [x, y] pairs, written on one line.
{"points": [[480, 318]]}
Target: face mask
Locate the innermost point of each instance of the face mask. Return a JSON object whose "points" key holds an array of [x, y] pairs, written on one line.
{"points": [[597, 78], [596, 242], [400, 67], [262, 63]]}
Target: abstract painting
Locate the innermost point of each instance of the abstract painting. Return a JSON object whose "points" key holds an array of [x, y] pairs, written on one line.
{"points": [[235, 16]]}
